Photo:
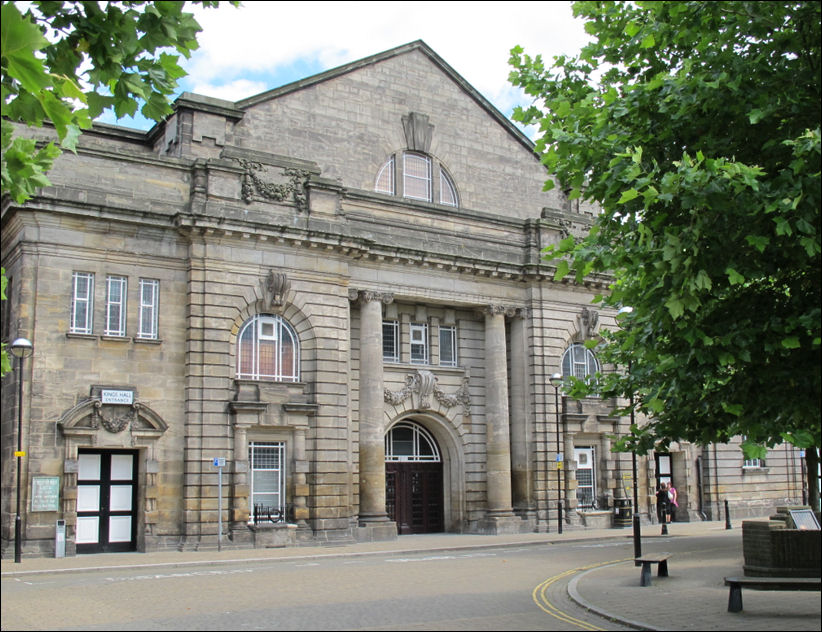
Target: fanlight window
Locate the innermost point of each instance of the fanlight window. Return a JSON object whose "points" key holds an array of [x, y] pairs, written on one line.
{"points": [[416, 173], [410, 442], [579, 361], [268, 349]]}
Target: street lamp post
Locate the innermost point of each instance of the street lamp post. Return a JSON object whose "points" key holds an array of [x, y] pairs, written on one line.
{"points": [[20, 349], [635, 518], [556, 382]]}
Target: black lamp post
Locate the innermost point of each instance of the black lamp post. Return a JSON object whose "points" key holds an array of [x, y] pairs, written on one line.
{"points": [[20, 349], [635, 518], [556, 382]]}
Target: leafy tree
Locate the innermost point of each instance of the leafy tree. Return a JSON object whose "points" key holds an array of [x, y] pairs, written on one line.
{"points": [[696, 127], [67, 62]]}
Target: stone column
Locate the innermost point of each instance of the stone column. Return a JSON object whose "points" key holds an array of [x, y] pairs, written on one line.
{"points": [[521, 474], [371, 415], [498, 442]]}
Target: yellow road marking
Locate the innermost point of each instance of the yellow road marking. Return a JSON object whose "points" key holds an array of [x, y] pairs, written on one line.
{"points": [[540, 596]]}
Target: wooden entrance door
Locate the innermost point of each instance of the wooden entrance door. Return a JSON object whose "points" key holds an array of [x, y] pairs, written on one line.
{"points": [[106, 501], [413, 493]]}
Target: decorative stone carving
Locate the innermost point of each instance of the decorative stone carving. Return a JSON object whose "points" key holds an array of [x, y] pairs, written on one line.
{"points": [[124, 416], [424, 383], [275, 286], [418, 132], [588, 321], [295, 187], [366, 296], [505, 310]]}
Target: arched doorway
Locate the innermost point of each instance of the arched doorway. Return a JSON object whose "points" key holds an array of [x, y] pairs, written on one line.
{"points": [[413, 479]]}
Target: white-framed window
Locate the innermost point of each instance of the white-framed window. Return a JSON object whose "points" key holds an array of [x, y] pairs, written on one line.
{"points": [[419, 343], [266, 462], [149, 311], [586, 476], [448, 345], [385, 178], [407, 441], [268, 349], [753, 463], [579, 361], [390, 341], [82, 303], [416, 173], [116, 292], [448, 192], [416, 177]]}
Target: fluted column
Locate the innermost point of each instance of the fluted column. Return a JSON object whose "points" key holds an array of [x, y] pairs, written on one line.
{"points": [[498, 441], [372, 433]]}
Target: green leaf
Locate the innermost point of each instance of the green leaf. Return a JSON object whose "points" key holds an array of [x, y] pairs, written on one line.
{"points": [[562, 270], [627, 196], [734, 278], [791, 342]]}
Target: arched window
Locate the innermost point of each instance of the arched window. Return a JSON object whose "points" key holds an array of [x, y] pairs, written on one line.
{"points": [[415, 173], [579, 361], [268, 349], [410, 442]]}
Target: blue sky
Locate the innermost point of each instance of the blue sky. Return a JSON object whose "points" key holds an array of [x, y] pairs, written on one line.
{"points": [[262, 45]]}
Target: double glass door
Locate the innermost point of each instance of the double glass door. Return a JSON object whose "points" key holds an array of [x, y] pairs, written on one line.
{"points": [[106, 501]]}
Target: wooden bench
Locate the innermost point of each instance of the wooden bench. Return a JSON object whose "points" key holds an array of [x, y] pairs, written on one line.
{"points": [[765, 583], [646, 561]]}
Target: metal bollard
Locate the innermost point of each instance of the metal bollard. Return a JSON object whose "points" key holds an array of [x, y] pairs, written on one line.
{"points": [[727, 516]]}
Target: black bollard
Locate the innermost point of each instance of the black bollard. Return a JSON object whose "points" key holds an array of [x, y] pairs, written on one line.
{"points": [[727, 517]]}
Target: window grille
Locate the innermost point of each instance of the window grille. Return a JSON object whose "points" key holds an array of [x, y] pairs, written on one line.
{"points": [[267, 465], [385, 178]]}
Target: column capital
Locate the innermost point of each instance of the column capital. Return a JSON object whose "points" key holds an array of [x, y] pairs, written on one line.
{"points": [[496, 310], [368, 296]]}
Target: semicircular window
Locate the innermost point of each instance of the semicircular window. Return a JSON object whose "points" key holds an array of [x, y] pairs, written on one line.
{"points": [[416, 176], [579, 361], [268, 349], [410, 442]]}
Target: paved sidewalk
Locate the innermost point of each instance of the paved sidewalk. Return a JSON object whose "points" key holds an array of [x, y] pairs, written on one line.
{"points": [[693, 597]]}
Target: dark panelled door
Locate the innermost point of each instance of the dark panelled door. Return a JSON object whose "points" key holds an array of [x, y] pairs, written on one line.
{"points": [[106, 501], [413, 493]]}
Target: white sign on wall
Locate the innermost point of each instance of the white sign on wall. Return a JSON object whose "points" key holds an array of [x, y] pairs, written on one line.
{"points": [[109, 396]]}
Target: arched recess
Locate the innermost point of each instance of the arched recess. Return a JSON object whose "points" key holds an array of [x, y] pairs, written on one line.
{"points": [[114, 428], [452, 457]]}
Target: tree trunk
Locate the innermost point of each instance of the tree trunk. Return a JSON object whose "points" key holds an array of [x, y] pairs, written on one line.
{"points": [[812, 463]]}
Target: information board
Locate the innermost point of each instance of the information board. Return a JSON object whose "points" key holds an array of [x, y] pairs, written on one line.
{"points": [[45, 493]]}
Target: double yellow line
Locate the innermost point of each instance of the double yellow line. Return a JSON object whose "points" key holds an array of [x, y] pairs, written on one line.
{"points": [[541, 598]]}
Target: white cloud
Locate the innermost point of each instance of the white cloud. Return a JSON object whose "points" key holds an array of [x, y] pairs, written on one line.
{"points": [[241, 49]]}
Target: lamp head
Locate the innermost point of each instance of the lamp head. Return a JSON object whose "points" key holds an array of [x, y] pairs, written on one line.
{"points": [[22, 348], [556, 380]]}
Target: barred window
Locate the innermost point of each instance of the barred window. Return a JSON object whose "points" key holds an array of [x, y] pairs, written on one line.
{"points": [[267, 465]]}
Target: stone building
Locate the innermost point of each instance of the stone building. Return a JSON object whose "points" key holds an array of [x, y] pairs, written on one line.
{"points": [[330, 298]]}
